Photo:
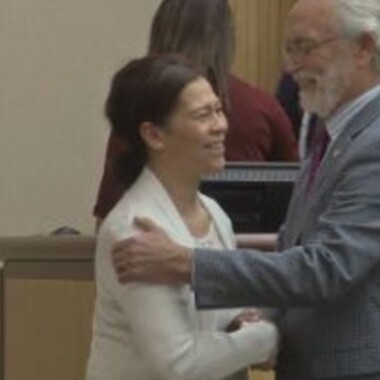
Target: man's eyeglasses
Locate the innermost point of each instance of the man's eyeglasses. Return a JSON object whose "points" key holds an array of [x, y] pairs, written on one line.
{"points": [[301, 49]]}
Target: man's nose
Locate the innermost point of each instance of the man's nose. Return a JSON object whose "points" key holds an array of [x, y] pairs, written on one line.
{"points": [[291, 65]]}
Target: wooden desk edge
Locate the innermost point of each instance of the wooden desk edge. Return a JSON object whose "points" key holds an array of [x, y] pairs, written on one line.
{"points": [[261, 241]]}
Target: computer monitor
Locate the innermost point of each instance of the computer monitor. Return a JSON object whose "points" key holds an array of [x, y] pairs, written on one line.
{"points": [[254, 195]]}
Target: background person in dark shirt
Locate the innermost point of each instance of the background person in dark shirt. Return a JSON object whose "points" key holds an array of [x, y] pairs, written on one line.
{"points": [[287, 95]]}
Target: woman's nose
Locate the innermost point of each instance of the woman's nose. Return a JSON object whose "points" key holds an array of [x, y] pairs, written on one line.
{"points": [[221, 123]]}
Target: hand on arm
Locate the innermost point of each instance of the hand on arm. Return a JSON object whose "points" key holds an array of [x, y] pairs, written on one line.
{"points": [[177, 350], [151, 256], [168, 340], [253, 316], [246, 316]]}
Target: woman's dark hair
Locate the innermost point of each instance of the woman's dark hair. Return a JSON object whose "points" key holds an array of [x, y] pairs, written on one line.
{"points": [[202, 31], [146, 89]]}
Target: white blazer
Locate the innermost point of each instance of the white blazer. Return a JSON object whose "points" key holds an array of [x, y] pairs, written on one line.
{"points": [[154, 332]]}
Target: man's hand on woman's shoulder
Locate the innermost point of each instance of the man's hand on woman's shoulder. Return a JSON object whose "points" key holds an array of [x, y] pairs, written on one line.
{"points": [[151, 256]]}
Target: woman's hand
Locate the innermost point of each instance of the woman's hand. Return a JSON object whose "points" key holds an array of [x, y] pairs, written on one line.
{"points": [[246, 316], [252, 316]]}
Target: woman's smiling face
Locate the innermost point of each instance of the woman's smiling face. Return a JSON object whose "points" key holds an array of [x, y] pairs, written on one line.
{"points": [[193, 135]]}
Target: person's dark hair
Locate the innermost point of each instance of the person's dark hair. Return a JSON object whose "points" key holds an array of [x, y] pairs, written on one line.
{"points": [[146, 89], [201, 30]]}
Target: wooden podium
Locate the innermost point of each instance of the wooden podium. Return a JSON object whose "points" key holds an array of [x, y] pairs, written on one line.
{"points": [[46, 304], [47, 293]]}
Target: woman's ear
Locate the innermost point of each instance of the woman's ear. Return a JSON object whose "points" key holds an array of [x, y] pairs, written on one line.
{"points": [[152, 135]]}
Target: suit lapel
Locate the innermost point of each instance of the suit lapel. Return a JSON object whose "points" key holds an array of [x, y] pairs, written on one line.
{"points": [[302, 202], [358, 123]]}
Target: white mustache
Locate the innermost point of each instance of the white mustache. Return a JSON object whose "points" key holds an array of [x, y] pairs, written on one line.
{"points": [[305, 77]]}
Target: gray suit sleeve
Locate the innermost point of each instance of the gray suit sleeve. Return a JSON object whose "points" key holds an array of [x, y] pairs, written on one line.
{"points": [[340, 253]]}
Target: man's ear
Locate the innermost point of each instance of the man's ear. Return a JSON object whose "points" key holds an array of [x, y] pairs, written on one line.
{"points": [[367, 49], [152, 135]]}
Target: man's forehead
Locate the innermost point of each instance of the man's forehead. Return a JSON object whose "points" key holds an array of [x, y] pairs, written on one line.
{"points": [[301, 30], [303, 23], [311, 10]]}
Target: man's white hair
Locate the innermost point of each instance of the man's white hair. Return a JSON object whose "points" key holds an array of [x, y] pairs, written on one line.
{"points": [[360, 16]]}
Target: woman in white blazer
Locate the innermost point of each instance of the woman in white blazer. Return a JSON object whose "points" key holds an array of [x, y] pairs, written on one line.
{"points": [[175, 128]]}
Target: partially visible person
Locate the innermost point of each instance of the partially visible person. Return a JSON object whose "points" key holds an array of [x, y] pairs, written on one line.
{"points": [[325, 276], [287, 93], [175, 128], [202, 30]]}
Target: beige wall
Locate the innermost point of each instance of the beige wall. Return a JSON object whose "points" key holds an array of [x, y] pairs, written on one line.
{"points": [[55, 65], [56, 61]]}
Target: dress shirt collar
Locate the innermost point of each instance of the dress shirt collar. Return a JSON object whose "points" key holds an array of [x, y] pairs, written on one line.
{"points": [[336, 123]]}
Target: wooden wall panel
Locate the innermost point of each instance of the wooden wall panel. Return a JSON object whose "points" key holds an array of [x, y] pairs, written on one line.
{"points": [[48, 328], [259, 26], [46, 303]]}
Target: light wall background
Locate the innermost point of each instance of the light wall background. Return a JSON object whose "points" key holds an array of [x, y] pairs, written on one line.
{"points": [[56, 60]]}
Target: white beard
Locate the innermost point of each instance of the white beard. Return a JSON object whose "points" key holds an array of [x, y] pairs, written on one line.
{"points": [[327, 88]]}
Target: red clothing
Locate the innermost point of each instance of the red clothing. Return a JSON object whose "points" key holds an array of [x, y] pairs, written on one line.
{"points": [[259, 130]]}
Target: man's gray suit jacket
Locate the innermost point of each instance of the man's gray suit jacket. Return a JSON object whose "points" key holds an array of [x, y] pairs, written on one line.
{"points": [[326, 280]]}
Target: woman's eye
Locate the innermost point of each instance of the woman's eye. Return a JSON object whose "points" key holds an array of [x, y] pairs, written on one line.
{"points": [[203, 115]]}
